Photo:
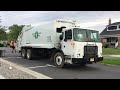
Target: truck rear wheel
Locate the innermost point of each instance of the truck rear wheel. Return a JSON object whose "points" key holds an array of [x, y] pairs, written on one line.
{"points": [[59, 60], [23, 53], [29, 54]]}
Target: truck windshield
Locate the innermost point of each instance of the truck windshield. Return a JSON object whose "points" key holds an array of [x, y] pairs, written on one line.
{"points": [[84, 35]]}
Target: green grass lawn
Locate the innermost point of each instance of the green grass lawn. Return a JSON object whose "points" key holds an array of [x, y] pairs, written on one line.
{"points": [[111, 51], [114, 61]]}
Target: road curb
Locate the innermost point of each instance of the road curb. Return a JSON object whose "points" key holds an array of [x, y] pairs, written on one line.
{"points": [[33, 73], [110, 64], [114, 56]]}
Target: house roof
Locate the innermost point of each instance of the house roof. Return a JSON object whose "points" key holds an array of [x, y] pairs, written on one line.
{"points": [[116, 23], [105, 32]]}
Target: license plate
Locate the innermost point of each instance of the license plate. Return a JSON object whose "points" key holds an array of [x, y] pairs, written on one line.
{"points": [[91, 59]]}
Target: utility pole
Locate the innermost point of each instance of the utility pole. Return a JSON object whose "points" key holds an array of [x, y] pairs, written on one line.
{"points": [[0, 21]]}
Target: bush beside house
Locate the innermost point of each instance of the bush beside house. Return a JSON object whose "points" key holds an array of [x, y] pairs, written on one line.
{"points": [[1, 45]]}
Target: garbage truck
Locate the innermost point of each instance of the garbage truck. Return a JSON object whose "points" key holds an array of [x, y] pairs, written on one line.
{"points": [[62, 41]]}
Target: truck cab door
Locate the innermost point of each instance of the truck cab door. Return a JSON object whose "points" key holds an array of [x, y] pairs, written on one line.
{"points": [[66, 46]]}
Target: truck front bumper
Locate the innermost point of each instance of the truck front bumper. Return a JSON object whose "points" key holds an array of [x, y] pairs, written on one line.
{"points": [[86, 60]]}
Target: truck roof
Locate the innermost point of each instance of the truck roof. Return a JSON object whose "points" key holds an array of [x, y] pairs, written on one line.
{"points": [[79, 28]]}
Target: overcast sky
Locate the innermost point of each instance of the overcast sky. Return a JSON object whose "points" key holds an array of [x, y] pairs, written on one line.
{"points": [[88, 19]]}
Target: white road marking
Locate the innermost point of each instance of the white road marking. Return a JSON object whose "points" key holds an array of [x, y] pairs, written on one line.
{"points": [[50, 65], [37, 66], [18, 57], [47, 65]]}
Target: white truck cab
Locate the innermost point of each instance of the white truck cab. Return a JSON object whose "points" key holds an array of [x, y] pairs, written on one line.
{"points": [[81, 45]]}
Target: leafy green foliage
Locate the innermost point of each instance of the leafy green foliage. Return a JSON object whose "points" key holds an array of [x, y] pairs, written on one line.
{"points": [[14, 31], [1, 45], [3, 35], [111, 51], [114, 61], [106, 45]]}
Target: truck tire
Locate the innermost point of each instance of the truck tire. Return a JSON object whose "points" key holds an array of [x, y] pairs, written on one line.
{"points": [[29, 54], [59, 60], [23, 53]]}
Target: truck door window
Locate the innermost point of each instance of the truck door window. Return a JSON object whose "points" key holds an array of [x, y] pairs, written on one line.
{"points": [[68, 34]]}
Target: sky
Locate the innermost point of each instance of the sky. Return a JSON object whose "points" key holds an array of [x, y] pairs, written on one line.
{"points": [[87, 19]]}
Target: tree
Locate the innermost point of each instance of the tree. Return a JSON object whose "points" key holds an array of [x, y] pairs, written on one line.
{"points": [[14, 31], [3, 35]]}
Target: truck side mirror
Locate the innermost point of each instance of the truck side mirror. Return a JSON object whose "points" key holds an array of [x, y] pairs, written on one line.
{"points": [[61, 37], [59, 30], [65, 40]]}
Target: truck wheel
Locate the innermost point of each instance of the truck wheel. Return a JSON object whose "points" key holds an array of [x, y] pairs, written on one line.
{"points": [[59, 60], [29, 54], [23, 53]]}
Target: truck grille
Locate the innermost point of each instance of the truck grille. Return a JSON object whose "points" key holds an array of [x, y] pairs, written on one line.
{"points": [[90, 51]]}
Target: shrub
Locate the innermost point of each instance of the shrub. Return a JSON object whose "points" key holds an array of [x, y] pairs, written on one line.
{"points": [[106, 45], [1, 45]]}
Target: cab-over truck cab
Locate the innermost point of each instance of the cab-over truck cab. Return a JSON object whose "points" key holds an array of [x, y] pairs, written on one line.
{"points": [[79, 46]]}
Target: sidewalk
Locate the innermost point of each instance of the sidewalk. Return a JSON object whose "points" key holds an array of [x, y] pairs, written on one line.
{"points": [[113, 56], [1, 77], [18, 72]]}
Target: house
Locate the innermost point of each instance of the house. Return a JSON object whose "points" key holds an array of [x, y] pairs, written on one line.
{"points": [[111, 34]]}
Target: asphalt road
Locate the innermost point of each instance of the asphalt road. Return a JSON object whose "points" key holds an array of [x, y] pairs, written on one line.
{"points": [[44, 66]]}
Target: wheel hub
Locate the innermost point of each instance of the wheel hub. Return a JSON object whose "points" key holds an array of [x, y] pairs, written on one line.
{"points": [[28, 55], [59, 60]]}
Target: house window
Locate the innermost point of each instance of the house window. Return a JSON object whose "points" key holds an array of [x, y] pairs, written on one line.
{"points": [[112, 28], [108, 39]]}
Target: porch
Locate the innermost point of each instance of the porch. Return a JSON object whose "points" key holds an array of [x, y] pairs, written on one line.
{"points": [[111, 42]]}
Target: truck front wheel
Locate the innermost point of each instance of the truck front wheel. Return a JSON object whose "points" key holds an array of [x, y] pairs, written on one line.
{"points": [[23, 53], [29, 54], [59, 60]]}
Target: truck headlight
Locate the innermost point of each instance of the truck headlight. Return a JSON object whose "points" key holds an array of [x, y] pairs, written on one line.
{"points": [[100, 54]]}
